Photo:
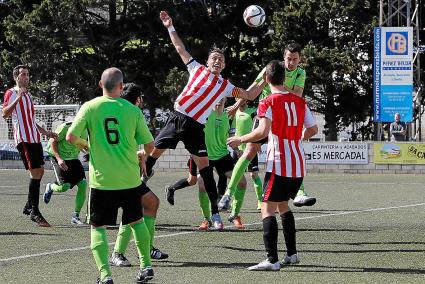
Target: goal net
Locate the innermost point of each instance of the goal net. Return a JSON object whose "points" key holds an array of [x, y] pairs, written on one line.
{"points": [[47, 116]]}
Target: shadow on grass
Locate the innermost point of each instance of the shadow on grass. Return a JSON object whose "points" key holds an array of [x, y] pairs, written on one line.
{"points": [[12, 233], [329, 268], [332, 230]]}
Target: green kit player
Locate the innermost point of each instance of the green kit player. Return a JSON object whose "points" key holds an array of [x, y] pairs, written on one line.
{"points": [[294, 83], [216, 133], [68, 169], [243, 122], [150, 202], [115, 129]]}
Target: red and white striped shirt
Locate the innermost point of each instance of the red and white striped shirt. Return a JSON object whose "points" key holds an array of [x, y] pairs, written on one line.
{"points": [[288, 114], [23, 118], [202, 92]]}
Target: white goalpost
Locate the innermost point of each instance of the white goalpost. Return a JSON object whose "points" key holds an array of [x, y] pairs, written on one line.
{"points": [[47, 116]]}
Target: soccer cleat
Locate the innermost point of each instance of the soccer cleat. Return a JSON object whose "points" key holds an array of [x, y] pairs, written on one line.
{"points": [[39, 219], [48, 193], [265, 265], [145, 178], [216, 220], [304, 200], [236, 220], [157, 254], [108, 280], [169, 194], [259, 204], [75, 219], [205, 225], [293, 259], [144, 275], [224, 203], [119, 260]]}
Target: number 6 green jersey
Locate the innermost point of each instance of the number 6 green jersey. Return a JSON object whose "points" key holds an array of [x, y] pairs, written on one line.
{"points": [[115, 129]]}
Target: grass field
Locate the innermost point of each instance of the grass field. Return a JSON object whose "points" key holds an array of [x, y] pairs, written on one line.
{"points": [[363, 229]]}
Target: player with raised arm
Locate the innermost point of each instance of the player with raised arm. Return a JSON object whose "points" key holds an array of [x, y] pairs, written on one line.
{"points": [[115, 128], [294, 83], [204, 89], [282, 117], [27, 135], [68, 169]]}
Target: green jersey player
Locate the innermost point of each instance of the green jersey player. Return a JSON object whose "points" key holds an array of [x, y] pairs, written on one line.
{"points": [[294, 83], [115, 129], [68, 169]]}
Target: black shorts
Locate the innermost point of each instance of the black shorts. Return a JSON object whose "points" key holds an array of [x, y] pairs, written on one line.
{"points": [[73, 175], [31, 155], [193, 169], [277, 188], [180, 127], [255, 125], [223, 165], [104, 206], [144, 189]]}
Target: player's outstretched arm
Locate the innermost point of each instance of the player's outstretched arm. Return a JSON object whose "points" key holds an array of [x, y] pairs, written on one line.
{"points": [[252, 92], [310, 132], [175, 39], [258, 133]]}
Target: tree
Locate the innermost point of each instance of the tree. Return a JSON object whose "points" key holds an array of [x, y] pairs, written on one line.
{"points": [[337, 36]]}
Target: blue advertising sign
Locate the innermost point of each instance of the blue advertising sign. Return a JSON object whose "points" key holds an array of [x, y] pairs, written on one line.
{"points": [[393, 73]]}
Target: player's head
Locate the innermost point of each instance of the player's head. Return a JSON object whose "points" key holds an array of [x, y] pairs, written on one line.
{"points": [[112, 81], [220, 105], [275, 73], [292, 55], [397, 117], [133, 93], [21, 75], [216, 60]]}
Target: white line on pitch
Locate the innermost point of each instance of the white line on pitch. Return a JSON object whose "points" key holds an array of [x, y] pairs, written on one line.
{"points": [[192, 232]]}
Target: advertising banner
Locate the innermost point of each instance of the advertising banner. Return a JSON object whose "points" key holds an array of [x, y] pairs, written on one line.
{"points": [[329, 153], [336, 153], [399, 153], [393, 73]]}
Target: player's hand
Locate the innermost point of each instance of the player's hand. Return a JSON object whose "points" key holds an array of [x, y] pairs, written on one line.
{"points": [[51, 134], [166, 19], [141, 155], [231, 110], [234, 142], [62, 164]]}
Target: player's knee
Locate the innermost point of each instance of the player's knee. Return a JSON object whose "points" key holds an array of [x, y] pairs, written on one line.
{"points": [[82, 184], [192, 180], [242, 183]]}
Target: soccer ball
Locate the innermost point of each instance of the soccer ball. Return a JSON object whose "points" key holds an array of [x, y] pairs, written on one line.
{"points": [[254, 16]]}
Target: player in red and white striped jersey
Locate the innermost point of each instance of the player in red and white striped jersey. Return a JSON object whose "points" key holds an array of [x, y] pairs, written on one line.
{"points": [[205, 88], [19, 105], [282, 117]]}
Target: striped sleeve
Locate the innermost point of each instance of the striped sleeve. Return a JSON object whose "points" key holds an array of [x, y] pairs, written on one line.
{"points": [[7, 97]]}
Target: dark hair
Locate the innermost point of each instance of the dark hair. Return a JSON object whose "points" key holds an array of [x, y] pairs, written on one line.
{"points": [[131, 92], [275, 72], [215, 49], [293, 47], [16, 70]]}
